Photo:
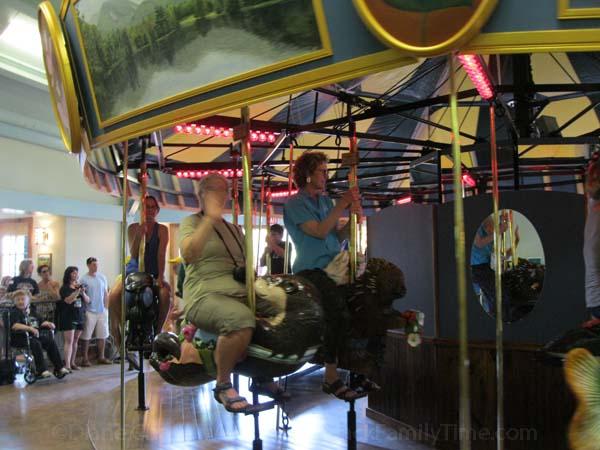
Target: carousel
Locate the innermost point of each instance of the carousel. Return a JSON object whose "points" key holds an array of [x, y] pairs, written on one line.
{"points": [[465, 125]]}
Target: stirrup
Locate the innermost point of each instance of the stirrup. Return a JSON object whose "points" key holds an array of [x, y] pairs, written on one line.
{"points": [[279, 395], [342, 395]]}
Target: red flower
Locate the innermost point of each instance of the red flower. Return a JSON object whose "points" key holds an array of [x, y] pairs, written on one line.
{"points": [[188, 332]]}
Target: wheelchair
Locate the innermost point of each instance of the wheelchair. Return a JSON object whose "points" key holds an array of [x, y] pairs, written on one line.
{"points": [[24, 361]]}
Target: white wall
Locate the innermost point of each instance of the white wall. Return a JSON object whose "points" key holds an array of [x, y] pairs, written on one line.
{"points": [[56, 242], [98, 238], [530, 245], [39, 170]]}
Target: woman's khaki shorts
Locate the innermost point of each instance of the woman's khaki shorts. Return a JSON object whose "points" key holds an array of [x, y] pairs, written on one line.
{"points": [[220, 314]]}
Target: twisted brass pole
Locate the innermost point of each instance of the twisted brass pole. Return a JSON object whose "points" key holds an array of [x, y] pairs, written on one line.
{"points": [[247, 186], [513, 239], [352, 183], [268, 219], [461, 277], [123, 270], [143, 179], [498, 282], [287, 250], [260, 220]]}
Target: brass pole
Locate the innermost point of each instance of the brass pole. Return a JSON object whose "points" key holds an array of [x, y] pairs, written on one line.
{"points": [[352, 183], [247, 186], [503, 261], [268, 217], [513, 239], [123, 269], [260, 217], [461, 277], [286, 253], [498, 281], [143, 179], [235, 204]]}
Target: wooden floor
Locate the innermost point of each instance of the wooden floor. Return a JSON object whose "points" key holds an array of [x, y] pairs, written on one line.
{"points": [[82, 412]]}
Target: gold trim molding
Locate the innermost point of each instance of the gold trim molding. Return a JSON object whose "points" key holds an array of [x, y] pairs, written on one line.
{"points": [[467, 32], [565, 11], [60, 77]]}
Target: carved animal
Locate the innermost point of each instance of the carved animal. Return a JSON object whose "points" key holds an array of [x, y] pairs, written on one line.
{"points": [[290, 325]]}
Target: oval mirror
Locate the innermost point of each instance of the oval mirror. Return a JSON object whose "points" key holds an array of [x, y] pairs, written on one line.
{"points": [[522, 265]]}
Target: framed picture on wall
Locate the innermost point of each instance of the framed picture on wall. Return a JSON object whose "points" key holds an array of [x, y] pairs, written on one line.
{"points": [[45, 258]]}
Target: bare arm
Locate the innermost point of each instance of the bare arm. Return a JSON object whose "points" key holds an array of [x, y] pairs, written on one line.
{"points": [[320, 230], [54, 288], [279, 251], [71, 298], [481, 242], [134, 237], [84, 296], [163, 241], [191, 246], [47, 324], [21, 327]]}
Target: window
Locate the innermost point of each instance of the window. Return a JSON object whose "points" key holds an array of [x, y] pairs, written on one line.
{"points": [[14, 250]]}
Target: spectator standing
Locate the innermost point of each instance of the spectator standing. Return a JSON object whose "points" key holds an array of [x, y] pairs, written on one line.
{"points": [[96, 313], [24, 280], [70, 314]]}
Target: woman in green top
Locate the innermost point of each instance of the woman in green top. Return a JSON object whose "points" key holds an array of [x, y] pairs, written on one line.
{"points": [[214, 301]]}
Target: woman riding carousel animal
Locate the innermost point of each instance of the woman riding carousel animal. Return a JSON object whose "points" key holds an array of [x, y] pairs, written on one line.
{"points": [[292, 313]]}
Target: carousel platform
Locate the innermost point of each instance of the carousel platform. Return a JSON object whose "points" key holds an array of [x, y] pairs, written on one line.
{"points": [[82, 412]]}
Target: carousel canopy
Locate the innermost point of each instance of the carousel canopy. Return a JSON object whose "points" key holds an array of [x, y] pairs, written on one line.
{"points": [[546, 119]]}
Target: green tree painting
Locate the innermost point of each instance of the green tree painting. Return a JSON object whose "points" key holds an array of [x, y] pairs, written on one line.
{"points": [[142, 52]]}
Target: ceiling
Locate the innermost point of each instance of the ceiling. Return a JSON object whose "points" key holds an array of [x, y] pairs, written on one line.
{"points": [[404, 108]]}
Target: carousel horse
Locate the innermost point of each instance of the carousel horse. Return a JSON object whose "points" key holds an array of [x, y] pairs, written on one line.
{"points": [[290, 325], [142, 311], [582, 373]]}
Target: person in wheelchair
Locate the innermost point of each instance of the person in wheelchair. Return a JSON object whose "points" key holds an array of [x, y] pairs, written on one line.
{"points": [[27, 325], [214, 291]]}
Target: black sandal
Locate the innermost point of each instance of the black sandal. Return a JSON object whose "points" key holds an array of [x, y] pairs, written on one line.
{"points": [[340, 390], [261, 388], [226, 401], [362, 383]]}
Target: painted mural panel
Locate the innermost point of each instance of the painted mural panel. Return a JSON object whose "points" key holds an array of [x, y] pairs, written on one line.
{"points": [[142, 52]]}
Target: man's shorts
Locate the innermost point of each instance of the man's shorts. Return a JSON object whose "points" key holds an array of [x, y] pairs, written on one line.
{"points": [[95, 323]]}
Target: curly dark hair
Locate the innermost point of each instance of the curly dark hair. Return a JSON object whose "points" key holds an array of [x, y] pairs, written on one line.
{"points": [[306, 164], [67, 275]]}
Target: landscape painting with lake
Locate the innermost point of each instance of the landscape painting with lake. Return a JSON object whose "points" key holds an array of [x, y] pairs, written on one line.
{"points": [[140, 52]]}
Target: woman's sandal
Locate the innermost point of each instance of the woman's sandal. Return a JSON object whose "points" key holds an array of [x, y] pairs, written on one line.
{"points": [[227, 402], [340, 390], [263, 388]]}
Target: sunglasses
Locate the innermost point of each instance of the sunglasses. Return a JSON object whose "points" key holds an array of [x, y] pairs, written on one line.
{"points": [[44, 271]]}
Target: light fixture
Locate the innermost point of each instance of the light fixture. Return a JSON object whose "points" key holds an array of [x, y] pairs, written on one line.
{"points": [[468, 180], [474, 66], [40, 236], [210, 131], [404, 200], [12, 211], [282, 193], [194, 174]]}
